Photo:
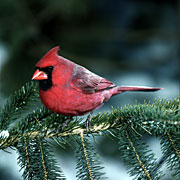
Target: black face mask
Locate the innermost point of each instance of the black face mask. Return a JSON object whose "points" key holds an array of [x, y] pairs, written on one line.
{"points": [[46, 83]]}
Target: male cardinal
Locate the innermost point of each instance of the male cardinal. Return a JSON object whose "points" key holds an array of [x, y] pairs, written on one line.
{"points": [[70, 89]]}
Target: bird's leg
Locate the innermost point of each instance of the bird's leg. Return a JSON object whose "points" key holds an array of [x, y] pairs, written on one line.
{"points": [[88, 122]]}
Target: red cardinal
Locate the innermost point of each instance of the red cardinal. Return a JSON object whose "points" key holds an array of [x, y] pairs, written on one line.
{"points": [[70, 89]]}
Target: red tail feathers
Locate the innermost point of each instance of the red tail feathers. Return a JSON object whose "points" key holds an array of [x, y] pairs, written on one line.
{"points": [[121, 89], [137, 88]]}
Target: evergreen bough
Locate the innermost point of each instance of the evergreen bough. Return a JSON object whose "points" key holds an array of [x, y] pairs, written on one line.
{"points": [[28, 128]]}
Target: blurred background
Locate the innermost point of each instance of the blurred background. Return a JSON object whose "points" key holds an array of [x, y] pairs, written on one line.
{"points": [[130, 42]]}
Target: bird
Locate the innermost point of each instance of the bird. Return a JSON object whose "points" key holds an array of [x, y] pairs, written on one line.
{"points": [[70, 89]]}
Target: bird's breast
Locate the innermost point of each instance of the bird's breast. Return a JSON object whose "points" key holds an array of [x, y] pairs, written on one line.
{"points": [[67, 101]]}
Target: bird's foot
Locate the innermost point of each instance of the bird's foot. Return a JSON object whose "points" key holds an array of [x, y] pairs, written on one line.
{"points": [[88, 122]]}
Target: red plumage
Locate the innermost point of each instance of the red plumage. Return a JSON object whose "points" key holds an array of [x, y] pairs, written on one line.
{"points": [[70, 89]]}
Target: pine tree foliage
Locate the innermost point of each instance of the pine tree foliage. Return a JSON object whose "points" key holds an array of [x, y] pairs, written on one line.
{"points": [[170, 144], [136, 154], [88, 160], [37, 160], [16, 103], [27, 127]]}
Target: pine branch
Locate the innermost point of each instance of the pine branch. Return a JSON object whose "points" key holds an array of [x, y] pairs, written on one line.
{"points": [[136, 154], [37, 161], [150, 119], [88, 161], [170, 144], [16, 103]]}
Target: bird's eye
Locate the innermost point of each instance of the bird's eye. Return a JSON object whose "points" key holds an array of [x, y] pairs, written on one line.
{"points": [[50, 68]]}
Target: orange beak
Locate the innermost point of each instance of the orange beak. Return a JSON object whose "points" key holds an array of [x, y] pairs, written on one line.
{"points": [[39, 75]]}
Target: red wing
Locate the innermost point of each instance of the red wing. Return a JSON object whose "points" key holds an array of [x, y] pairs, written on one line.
{"points": [[87, 82]]}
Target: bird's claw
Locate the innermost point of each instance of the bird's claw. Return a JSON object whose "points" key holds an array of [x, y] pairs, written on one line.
{"points": [[88, 123]]}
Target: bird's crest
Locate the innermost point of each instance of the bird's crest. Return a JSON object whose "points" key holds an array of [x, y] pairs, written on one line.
{"points": [[50, 58]]}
